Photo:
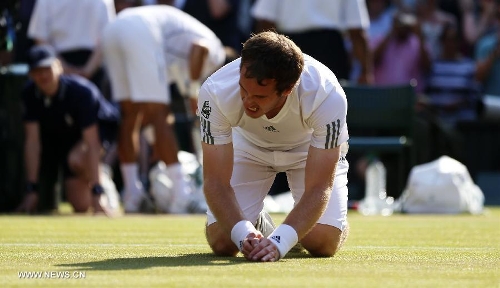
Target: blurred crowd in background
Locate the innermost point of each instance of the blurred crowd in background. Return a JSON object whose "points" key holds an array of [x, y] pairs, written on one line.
{"points": [[449, 50]]}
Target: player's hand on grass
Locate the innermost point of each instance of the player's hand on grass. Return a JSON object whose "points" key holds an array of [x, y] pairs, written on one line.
{"points": [[264, 251], [250, 242], [29, 203]]}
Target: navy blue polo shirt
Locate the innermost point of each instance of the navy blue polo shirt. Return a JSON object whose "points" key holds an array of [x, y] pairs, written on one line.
{"points": [[77, 105]]}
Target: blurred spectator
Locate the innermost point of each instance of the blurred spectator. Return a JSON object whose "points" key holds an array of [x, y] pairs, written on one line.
{"points": [[452, 90], [74, 34], [406, 6], [316, 26], [454, 8], [66, 120], [452, 95], [381, 14], [487, 55], [144, 49], [220, 16], [478, 19], [432, 21], [401, 56]]}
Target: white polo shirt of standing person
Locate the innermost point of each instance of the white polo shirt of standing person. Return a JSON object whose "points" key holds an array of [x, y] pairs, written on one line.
{"points": [[53, 23]]}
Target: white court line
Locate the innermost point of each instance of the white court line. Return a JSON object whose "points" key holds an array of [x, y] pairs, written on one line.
{"points": [[205, 245], [417, 248], [95, 244]]}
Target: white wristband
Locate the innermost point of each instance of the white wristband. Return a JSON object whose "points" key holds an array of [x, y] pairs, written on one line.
{"points": [[240, 231], [193, 88], [284, 237]]}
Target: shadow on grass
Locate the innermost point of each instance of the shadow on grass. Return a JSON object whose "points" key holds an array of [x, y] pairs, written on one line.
{"points": [[205, 259]]}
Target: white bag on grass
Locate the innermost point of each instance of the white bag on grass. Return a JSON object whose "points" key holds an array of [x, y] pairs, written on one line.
{"points": [[441, 186]]}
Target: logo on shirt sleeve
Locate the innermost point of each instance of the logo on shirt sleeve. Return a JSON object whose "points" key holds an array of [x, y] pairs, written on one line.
{"points": [[206, 131], [333, 133], [206, 109], [205, 123]]}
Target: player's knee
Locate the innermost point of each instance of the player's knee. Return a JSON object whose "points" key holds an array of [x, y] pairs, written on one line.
{"points": [[221, 248], [327, 250], [219, 242], [324, 241], [321, 248]]}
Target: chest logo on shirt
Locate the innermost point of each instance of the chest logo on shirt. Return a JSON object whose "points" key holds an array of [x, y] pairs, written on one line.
{"points": [[47, 101], [271, 129], [68, 119], [206, 109]]}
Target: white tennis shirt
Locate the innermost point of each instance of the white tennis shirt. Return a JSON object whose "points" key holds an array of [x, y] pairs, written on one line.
{"points": [[315, 111]]}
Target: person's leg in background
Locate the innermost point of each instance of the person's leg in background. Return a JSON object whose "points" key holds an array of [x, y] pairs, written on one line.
{"points": [[124, 62], [166, 149], [128, 147]]}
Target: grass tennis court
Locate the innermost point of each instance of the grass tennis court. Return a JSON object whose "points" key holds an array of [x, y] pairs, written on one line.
{"points": [[170, 251]]}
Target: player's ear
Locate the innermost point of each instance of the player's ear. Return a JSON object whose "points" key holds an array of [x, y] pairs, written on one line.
{"points": [[287, 91]]}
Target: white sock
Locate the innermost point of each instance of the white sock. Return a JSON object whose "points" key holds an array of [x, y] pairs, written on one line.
{"points": [[130, 175], [180, 187]]}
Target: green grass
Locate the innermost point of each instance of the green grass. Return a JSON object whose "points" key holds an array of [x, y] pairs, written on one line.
{"points": [[170, 251]]}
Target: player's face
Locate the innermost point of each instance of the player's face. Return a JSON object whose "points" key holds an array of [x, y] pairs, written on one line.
{"points": [[260, 99]]}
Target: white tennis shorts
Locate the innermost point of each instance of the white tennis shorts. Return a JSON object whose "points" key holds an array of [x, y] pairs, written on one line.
{"points": [[135, 61], [255, 169]]}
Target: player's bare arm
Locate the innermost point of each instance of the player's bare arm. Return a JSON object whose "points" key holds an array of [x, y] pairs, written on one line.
{"points": [[217, 171], [220, 197]]}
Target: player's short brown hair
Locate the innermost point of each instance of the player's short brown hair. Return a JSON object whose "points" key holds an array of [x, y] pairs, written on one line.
{"points": [[269, 55]]}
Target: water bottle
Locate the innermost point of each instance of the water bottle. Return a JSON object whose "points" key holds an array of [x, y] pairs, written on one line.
{"points": [[376, 201]]}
